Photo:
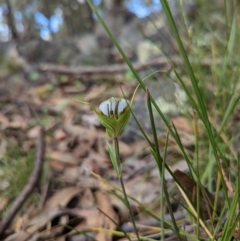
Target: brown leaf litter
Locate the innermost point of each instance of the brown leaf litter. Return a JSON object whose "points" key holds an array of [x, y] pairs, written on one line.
{"points": [[75, 203]]}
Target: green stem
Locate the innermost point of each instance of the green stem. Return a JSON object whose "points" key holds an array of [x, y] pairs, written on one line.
{"points": [[160, 162], [195, 127], [116, 148]]}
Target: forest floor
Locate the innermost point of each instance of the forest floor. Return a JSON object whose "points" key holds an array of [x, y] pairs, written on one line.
{"points": [[57, 179], [78, 185]]}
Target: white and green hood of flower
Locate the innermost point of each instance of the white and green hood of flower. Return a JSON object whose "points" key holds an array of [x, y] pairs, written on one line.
{"points": [[114, 114]]}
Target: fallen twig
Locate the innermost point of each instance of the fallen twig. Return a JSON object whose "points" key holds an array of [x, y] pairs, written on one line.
{"points": [[225, 178], [161, 62], [128, 227], [33, 181]]}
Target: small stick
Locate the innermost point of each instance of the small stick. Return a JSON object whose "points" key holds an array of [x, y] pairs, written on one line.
{"points": [[28, 189], [228, 184], [161, 62]]}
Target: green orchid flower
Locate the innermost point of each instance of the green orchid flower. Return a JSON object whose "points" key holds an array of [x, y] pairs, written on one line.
{"points": [[113, 114]]}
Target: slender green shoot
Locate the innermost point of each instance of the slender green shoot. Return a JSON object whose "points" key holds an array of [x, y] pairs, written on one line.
{"points": [[159, 162]]}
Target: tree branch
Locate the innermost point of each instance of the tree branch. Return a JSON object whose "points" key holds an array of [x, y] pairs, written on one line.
{"points": [[10, 20]]}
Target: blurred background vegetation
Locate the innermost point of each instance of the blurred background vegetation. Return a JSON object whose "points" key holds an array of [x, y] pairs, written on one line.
{"points": [[48, 19]]}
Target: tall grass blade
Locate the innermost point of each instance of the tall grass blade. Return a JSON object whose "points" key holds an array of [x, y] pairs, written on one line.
{"points": [[160, 164]]}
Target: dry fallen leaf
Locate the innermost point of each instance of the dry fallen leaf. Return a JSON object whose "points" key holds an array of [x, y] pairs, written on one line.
{"points": [[62, 197], [60, 167], [3, 202], [105, 217], [35, 224], [236, 233], [67, 158], [125, 150], [54, 207], [4, 121], [33, 132], [59, 135], [206, 198], [70, 174], [87, 199], [122, 210], [94, 92], [182, 124]]}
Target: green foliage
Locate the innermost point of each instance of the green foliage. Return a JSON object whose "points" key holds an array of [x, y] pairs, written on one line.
{"points": [[211, 107], [33, 76], [15, 170], [113, 158], [114, 127]]}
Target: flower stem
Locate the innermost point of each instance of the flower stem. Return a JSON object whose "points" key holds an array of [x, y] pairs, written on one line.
{"points": [[116, 148]]}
